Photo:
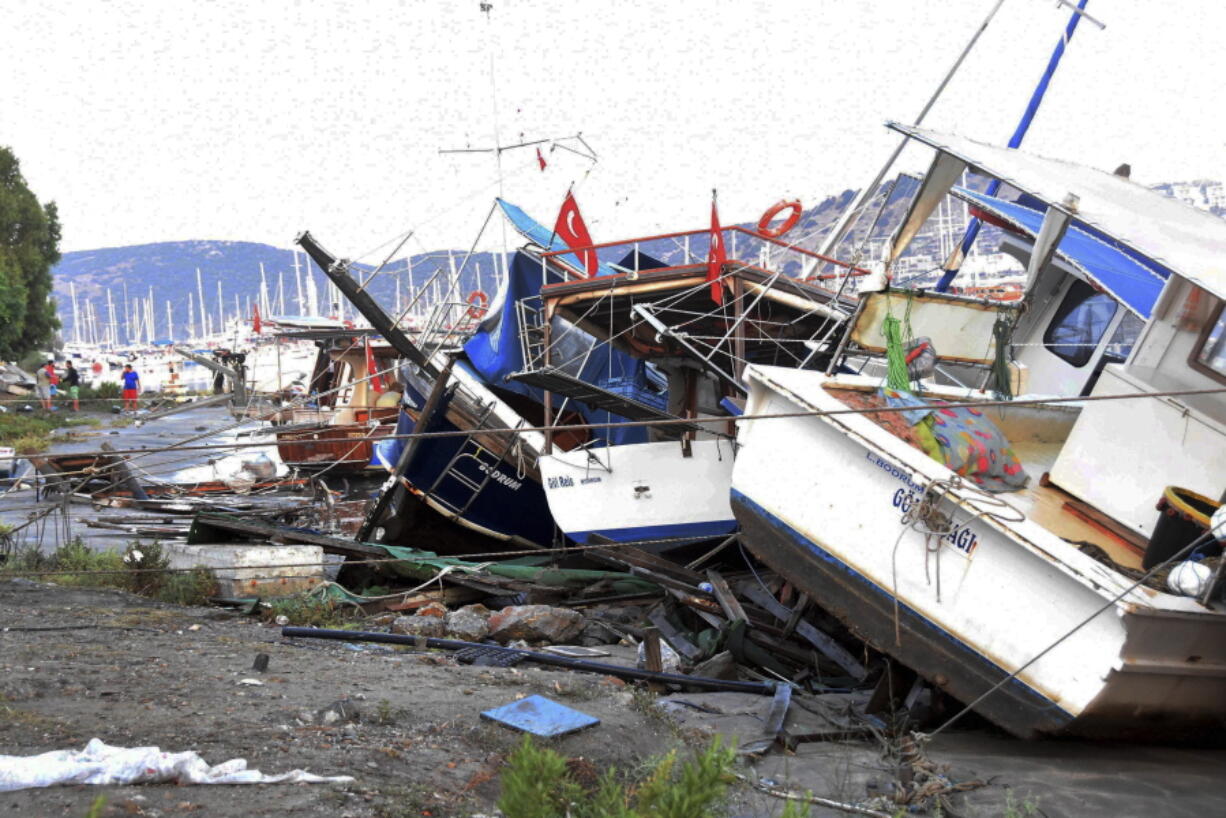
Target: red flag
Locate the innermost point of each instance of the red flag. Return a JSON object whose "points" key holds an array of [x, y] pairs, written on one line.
{"points": [[716, 258], [376, 383], [540, 158], [573, 231], [255, 318]]}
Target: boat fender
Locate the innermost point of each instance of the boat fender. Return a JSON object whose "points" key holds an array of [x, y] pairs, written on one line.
{"points": [[478, 302], [764, 224]]}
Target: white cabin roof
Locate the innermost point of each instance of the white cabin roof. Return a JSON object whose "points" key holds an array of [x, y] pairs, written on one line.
{"points": [[1190, 242]]}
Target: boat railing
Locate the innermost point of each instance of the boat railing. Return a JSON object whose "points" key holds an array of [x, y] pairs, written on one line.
{"points": [[786, 254], [449, 325]]}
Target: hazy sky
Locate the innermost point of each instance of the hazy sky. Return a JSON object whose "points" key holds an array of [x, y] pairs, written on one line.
{"points": [[164, 120]]}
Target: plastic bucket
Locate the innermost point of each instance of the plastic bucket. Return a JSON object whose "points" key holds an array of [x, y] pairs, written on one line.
{"points": [[1184, 516]]}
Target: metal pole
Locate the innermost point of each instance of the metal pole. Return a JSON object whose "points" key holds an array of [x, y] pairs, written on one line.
{"points": [[849, 215]]}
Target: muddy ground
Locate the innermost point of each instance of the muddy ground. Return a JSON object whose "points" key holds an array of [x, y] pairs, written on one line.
{"points": [[78, 663]]}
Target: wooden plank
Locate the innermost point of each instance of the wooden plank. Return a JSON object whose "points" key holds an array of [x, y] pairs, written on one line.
{"points": [[829, 648], [288, 535], [723, 595], [629, 555], [675, 638], [797, 612]]}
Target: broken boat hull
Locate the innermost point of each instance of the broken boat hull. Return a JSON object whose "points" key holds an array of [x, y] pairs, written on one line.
{"points": [[969, 614]]}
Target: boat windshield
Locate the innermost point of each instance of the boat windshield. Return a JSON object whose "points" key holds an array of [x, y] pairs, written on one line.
{"points": [[1080, 323]]}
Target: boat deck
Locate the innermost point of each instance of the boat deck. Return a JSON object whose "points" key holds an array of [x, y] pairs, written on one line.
{"points": [[1073, 520], [1061, 513]]}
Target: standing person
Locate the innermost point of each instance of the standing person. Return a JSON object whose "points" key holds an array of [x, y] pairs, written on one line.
{"points": [[42, 384], [131, 387], [72, 380]]}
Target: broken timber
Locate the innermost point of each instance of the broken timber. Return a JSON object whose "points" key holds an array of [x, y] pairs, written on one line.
{"points": [[831, 649]]}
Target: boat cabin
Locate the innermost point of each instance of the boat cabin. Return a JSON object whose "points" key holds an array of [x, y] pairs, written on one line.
{"points": [[1159, 339]]}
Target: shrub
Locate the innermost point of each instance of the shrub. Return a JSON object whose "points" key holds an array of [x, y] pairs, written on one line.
{"points": [[538, 783], [310, 611], [141, 569]]}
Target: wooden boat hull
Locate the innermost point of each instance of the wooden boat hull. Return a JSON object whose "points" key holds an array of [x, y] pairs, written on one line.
{"points": [[967, 613], [340, 448]]}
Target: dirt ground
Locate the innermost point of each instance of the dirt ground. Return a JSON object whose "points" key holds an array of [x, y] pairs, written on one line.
{"points": [[77, 664]]}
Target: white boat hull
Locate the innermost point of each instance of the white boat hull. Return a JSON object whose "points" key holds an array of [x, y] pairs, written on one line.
{"points": [[819, 499], [641, 492]]}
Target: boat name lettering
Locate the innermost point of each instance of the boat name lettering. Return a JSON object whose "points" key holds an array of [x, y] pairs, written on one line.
{"points": [[587, 480], [894, 471], [505, 479], [561, 482], [961, 537]]}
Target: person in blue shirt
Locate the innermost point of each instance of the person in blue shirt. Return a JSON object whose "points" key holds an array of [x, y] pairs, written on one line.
{"points": [[131, 387]]}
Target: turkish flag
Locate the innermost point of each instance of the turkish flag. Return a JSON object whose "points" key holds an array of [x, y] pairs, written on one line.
{"points": [[716, 256], [540, 159], [571, 229], [255, 318], [376, 383]]}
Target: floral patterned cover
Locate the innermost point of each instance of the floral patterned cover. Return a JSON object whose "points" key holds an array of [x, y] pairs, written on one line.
{"points": [[962, 438]]}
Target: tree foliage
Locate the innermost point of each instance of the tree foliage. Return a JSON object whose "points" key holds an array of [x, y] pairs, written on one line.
{"points": [[29, 247]]}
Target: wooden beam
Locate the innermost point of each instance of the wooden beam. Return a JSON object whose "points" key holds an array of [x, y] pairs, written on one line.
{"points": [[723, 595], [829, 648]]}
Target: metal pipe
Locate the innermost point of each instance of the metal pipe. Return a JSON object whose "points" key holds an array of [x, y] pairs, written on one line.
{"points": [[620, 671]]}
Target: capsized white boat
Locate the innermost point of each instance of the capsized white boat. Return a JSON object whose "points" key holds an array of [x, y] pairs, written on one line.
{"points": [[998, 594]]}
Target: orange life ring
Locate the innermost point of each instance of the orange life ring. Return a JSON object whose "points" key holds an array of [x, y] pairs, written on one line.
{"points": [[764, 224], [479, 302]]}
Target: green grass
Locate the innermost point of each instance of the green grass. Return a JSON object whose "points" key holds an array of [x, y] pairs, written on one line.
{"points": [[31, 433], [141, 569], [311, 611]]}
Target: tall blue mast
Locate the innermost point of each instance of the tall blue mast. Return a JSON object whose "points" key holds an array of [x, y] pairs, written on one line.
{"points": [[954, 263]]}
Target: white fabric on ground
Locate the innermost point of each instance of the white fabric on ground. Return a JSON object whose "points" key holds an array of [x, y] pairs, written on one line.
{"points": [[101, 763]]}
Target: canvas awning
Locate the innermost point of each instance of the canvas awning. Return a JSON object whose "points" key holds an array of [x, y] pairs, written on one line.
{"points": [[1190, 242]]}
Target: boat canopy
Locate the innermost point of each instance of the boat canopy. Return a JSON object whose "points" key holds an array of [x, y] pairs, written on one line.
{"points": [[1181, 238], [1125, 276]]}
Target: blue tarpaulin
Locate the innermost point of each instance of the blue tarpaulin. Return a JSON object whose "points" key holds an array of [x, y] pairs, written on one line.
{"points": [[495, 351], [1132, 279]]}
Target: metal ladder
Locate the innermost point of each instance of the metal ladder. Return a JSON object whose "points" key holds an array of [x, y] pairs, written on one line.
{"points": [[452, 471], [531, 334]]}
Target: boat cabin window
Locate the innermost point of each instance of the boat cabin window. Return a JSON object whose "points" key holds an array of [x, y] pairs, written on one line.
{"points": [[1079, 324], [1210, 354]]}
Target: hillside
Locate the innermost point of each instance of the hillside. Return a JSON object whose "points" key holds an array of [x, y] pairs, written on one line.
{"points": [[170, 267]]}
